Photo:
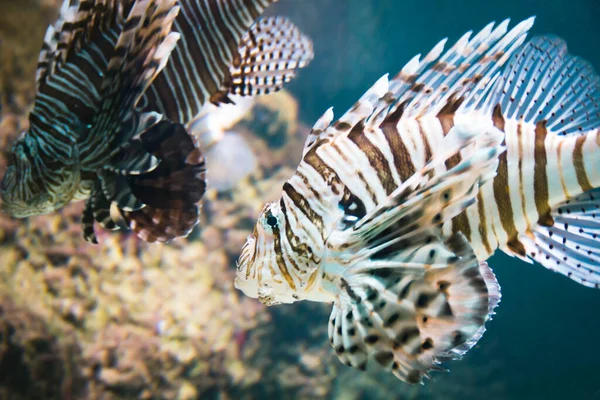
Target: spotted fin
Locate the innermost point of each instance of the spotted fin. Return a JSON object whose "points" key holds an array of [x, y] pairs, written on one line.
{"points": [[408, 298], [569, 245], [409, 320], [97, 210], [268, 57]]}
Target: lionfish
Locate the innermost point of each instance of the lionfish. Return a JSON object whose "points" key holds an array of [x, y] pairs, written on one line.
{"points": [[117, 82], [395, 207]]}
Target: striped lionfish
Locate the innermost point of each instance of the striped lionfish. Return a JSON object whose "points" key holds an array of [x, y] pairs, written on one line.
{"points": [[394, 207], [117, 81]]}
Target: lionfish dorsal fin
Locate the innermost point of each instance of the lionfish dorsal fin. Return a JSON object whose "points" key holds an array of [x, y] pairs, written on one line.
{"points": [[543, 82], [440, 80]]}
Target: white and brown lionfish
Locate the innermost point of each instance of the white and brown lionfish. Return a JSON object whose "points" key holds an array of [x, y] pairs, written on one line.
{"points": [[395, 207]]}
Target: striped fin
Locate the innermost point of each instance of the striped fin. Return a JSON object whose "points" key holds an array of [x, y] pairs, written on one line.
{"points": [[465, 71], [97, 209], [172, 190], [132, 159], [76, 24], [159, 204], [409, 299], [199, 65], [269, 55], [70, 74], [409, 321], [323, 130]]}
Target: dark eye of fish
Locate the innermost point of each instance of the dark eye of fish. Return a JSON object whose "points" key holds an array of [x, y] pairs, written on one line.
{"points": [[271, 221], [353, 208]]}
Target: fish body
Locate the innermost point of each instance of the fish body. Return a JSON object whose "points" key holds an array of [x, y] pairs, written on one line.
{"points": [[395, 207], [107, 90]]}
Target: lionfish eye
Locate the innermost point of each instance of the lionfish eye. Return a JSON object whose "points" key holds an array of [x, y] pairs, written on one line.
{"points": [[271, 221]]}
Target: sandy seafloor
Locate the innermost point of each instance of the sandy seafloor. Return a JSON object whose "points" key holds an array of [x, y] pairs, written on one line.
{"points": [[120, 320]]}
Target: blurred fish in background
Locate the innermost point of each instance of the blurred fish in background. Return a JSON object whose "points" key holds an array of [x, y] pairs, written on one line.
{"points": [[108, 124]]}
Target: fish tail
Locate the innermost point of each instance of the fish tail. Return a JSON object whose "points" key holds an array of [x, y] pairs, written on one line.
{"points": [[269, 56]]}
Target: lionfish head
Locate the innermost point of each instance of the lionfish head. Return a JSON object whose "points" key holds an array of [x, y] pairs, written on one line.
{"points": [[25, 186], [269, 269]]}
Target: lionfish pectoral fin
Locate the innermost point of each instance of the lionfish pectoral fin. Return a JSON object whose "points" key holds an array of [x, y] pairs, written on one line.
{"points": [[132, 159], [170, 192], [268, 56], [409, 320], [566, 241], [410, 299]]}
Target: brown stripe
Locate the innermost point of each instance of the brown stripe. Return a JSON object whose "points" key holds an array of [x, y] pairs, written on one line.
{"points": [[299, 249], [402, 161], [502, 197], [483, 223], [428, 153], [280, 260], [498, 118], [374, 155], [460, 223], [446, 118], [502, 191], [582, 177], [359, 173], [540, 177], [302, 204]]}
